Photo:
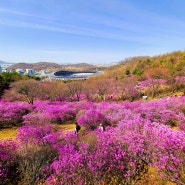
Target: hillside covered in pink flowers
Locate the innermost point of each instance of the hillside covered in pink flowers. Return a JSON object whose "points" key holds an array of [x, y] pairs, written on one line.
{"points": [[131, 120], [138, 136]]}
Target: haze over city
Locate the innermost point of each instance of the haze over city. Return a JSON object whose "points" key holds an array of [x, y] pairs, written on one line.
{"points": [[97, 32]]}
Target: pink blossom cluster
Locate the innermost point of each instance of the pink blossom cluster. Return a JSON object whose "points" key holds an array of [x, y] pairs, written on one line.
{"points": [[7, 160], [125, 152], [11, 113], [150, 82], [91, 119], [140, 135], [180, 78]]}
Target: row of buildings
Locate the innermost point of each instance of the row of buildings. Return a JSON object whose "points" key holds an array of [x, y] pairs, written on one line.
{"points": [[27, 71], [43, 73], [3, 67]]}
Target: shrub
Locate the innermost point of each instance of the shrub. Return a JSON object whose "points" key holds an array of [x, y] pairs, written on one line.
{"points": [[91, 119], [32, 162], [11, 114], [8, 162]]}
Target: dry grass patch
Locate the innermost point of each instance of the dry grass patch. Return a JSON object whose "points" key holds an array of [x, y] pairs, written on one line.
{"points": [[8, 133], [152, 177], [67, 126], [11, 133]]}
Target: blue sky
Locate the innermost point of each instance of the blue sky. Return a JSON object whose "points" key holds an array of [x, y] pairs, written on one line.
{"points": [[91, 31]]}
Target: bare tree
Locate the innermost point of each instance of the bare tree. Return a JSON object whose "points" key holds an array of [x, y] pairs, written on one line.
{"points": [[96, 88], [101, 87], [75, 89], [29, 88], [89, 89], [126, 89], [56, 90]]}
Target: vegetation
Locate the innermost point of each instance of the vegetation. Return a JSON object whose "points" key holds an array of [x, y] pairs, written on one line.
{"points": [[135, 135], [140, 137], [154, 76], [7, 78], [173, 62], [51, 66]]}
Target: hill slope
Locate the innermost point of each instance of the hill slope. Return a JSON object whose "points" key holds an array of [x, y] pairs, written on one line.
{"points": [[173, 62]]}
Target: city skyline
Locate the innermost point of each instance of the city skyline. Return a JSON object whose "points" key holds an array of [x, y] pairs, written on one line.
{"points": [[96, 32]]}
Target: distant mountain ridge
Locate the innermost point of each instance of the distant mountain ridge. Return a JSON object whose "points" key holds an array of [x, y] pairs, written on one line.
{"points": [[50, 65], [3, 62]]}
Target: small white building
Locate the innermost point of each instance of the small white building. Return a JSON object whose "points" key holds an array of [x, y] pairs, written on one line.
{"points": [[30, 71]]}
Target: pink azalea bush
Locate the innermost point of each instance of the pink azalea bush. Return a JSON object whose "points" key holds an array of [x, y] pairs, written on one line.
{"points": [[60, 113], [181, 126], [180, 78], [8, 163], [142, 136], [162, 112], [124, 152], [91, 119], [11, 113], [150, 82], [33, 134], [79, 163], [36, 118], [165, 147]]}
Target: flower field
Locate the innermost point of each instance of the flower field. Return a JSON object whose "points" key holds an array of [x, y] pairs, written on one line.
{"points": [[139, 136]]}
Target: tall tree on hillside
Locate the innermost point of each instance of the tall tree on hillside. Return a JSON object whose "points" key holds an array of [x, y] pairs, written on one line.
{"points": [[29, 88], [89, 90], [56, 90]]}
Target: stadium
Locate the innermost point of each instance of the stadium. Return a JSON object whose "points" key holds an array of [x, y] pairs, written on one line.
{"points": [[63, 75]]}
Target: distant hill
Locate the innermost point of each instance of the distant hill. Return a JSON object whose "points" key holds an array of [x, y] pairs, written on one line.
{"points": [[37, 66], [82, 65], [51, 66]]}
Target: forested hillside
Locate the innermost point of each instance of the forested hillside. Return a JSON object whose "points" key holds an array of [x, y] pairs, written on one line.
{"points": [[172, 63], [161, 75]]}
